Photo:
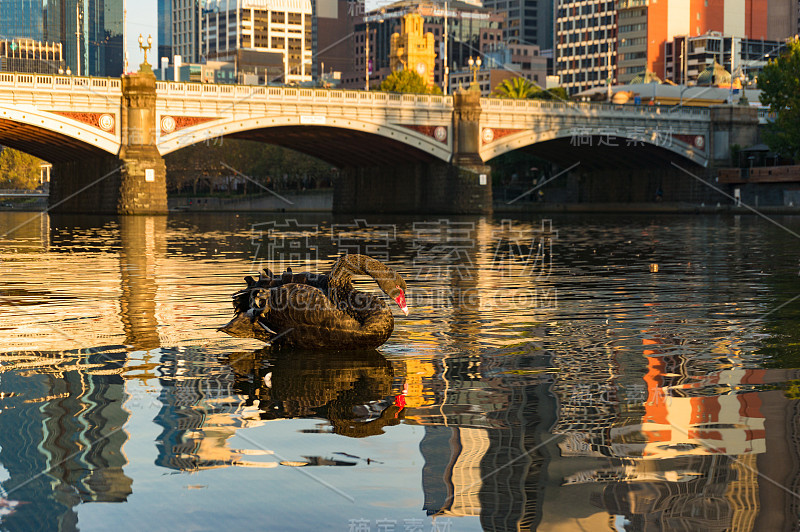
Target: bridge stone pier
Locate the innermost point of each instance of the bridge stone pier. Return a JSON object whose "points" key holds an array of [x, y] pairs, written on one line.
{"points": [[143, 187], [396, 153], [131, 182]]}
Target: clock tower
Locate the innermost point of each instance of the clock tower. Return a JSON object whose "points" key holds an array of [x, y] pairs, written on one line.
{"points": [[412, 49]]}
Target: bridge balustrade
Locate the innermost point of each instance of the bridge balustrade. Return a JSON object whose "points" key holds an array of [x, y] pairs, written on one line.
{"points": [[61, 83], [512, 105], [293, 94]]}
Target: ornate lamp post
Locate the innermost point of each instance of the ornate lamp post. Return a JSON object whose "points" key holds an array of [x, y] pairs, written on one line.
{"points": [[474, 66], [142, 47]]}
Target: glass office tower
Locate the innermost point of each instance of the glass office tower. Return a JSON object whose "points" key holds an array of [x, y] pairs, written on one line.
{"points": [[164, 30], [22, 19], [91, 29]]}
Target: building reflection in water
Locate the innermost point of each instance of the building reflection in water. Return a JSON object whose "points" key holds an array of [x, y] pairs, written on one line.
{"points": [[687, 453], [485, 409], [593, 444], [62, 441], [689, 456]]}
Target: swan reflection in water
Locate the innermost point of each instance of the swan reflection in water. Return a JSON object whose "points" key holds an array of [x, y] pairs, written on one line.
{"points": [[201, 412], [351, 389]]}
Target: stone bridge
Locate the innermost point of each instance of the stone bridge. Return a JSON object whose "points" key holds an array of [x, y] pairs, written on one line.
{"points": [[398, 152]]}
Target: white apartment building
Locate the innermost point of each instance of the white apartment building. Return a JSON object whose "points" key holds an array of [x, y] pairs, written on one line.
{"points": [[585, 47], [271, 38]]}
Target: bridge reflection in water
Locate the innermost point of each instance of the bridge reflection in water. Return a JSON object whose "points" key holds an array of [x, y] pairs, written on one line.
{"points": [[527, 429]]}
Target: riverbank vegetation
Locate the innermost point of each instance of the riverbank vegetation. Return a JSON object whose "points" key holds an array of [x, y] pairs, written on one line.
{"points": [[232, 166], [780, 86], [18, 170]]}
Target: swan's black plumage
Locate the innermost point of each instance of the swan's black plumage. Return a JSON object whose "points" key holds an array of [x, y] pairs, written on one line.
{"points": [[308, 310]]}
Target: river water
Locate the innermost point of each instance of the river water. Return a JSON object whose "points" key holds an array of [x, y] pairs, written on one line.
{"points": [[580, 373]]}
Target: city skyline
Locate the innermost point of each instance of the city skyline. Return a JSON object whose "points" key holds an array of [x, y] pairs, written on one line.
{"points": [[143, 18]]}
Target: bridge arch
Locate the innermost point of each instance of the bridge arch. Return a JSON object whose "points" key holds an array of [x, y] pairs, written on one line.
{"points": [[337, 140], [566, 145], [57, 137]]}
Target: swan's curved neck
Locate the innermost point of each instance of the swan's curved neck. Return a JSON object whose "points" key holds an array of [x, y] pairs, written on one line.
{"points": [[348, 265]]}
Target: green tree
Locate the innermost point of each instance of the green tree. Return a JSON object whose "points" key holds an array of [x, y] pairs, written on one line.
{"points": [[407, 81], [19, 170], [780, 90], [517, 88]]}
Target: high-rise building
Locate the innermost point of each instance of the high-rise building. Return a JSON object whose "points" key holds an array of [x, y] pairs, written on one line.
{"points": [[181, 26], [502, 63], [585, 47], [646, 27], [631, 39], [165, 29], [527, 22], [270, 38], [22, 19], [27, 55], [600, 40], [687, 57], [103, 37], [332, 31], [90, 31]]}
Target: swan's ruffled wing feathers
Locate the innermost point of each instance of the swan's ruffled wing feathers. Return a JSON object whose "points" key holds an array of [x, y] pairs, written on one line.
{"points": [[294, 305]]}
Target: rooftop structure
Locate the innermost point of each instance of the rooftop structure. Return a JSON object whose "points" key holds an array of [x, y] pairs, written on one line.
{"points": [[27, 55], [686, 57]]}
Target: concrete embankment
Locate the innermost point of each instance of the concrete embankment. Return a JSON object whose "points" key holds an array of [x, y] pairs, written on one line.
{"points": [[306, 201], [665, 208], [322, 201]]}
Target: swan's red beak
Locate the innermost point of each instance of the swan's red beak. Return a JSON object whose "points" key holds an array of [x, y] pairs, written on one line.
{"points": [[401, 302], [400, 401]]}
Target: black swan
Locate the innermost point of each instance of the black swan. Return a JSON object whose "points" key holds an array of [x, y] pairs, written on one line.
{"points": [[318, 311]]}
